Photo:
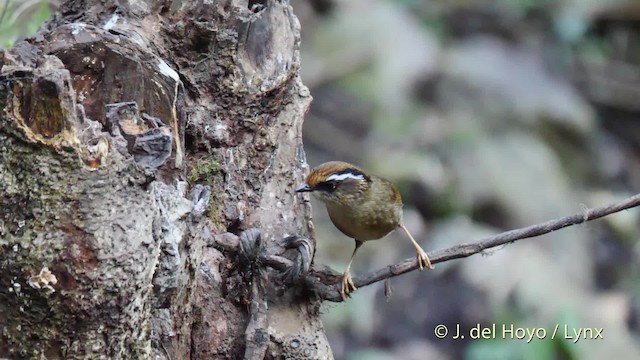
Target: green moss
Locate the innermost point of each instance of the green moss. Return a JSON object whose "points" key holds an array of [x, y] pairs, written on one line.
{"points": [[38, 195], [216, 201], [208, 172], [204, 171]]}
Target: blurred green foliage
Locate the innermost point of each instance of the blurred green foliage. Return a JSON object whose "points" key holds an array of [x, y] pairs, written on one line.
{"points": [[20, 19], [549, 347], [488, 114]]}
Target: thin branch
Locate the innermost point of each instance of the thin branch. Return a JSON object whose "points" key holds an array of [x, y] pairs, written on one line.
{"points": [[318, 280], [325, 282]]}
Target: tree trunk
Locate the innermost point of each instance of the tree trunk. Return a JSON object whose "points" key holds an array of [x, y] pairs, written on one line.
{"points": [[135, 137]]}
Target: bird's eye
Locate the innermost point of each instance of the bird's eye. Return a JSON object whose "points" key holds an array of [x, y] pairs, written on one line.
{"points": [[328, 186]]}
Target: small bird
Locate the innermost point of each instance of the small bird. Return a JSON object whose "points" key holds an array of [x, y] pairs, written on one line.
{"points": [[364, 207]]}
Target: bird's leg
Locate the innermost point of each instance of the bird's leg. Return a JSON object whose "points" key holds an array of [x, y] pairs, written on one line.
{"points": [[347, 283], [423, 259]]}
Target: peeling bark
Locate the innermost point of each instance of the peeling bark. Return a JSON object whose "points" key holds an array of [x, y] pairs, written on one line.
{"points": [[131, 136]]}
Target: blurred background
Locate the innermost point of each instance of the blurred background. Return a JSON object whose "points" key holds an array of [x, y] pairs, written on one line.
{"points": [[21, 18], [489, 115]]}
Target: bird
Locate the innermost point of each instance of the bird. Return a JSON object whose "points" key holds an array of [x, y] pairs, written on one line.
{"points": [[363, 207]]}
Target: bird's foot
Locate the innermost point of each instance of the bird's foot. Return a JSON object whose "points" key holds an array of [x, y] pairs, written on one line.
{"points": [[423, 259], [347, 286]]}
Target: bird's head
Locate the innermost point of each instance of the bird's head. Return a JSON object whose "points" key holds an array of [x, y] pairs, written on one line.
{"points": [[336, 182]]}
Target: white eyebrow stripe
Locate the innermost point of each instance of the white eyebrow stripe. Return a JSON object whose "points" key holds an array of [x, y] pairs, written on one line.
{"points": [[340, 177]]}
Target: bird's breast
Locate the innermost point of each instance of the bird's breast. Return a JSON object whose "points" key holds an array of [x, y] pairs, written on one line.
{"points": [[365, 223]]}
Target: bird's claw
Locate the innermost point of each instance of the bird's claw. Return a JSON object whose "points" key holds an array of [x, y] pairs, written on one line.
{"points": [[347, 286], [423, 260]]}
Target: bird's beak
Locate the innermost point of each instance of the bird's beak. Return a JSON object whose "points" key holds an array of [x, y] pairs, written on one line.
{"points": [[304, 188]]}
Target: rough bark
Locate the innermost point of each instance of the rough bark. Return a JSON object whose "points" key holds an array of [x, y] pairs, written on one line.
{"points": [[134, 137]]}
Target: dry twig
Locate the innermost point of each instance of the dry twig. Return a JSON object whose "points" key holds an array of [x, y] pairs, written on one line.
{"points": [[322, 282]]}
